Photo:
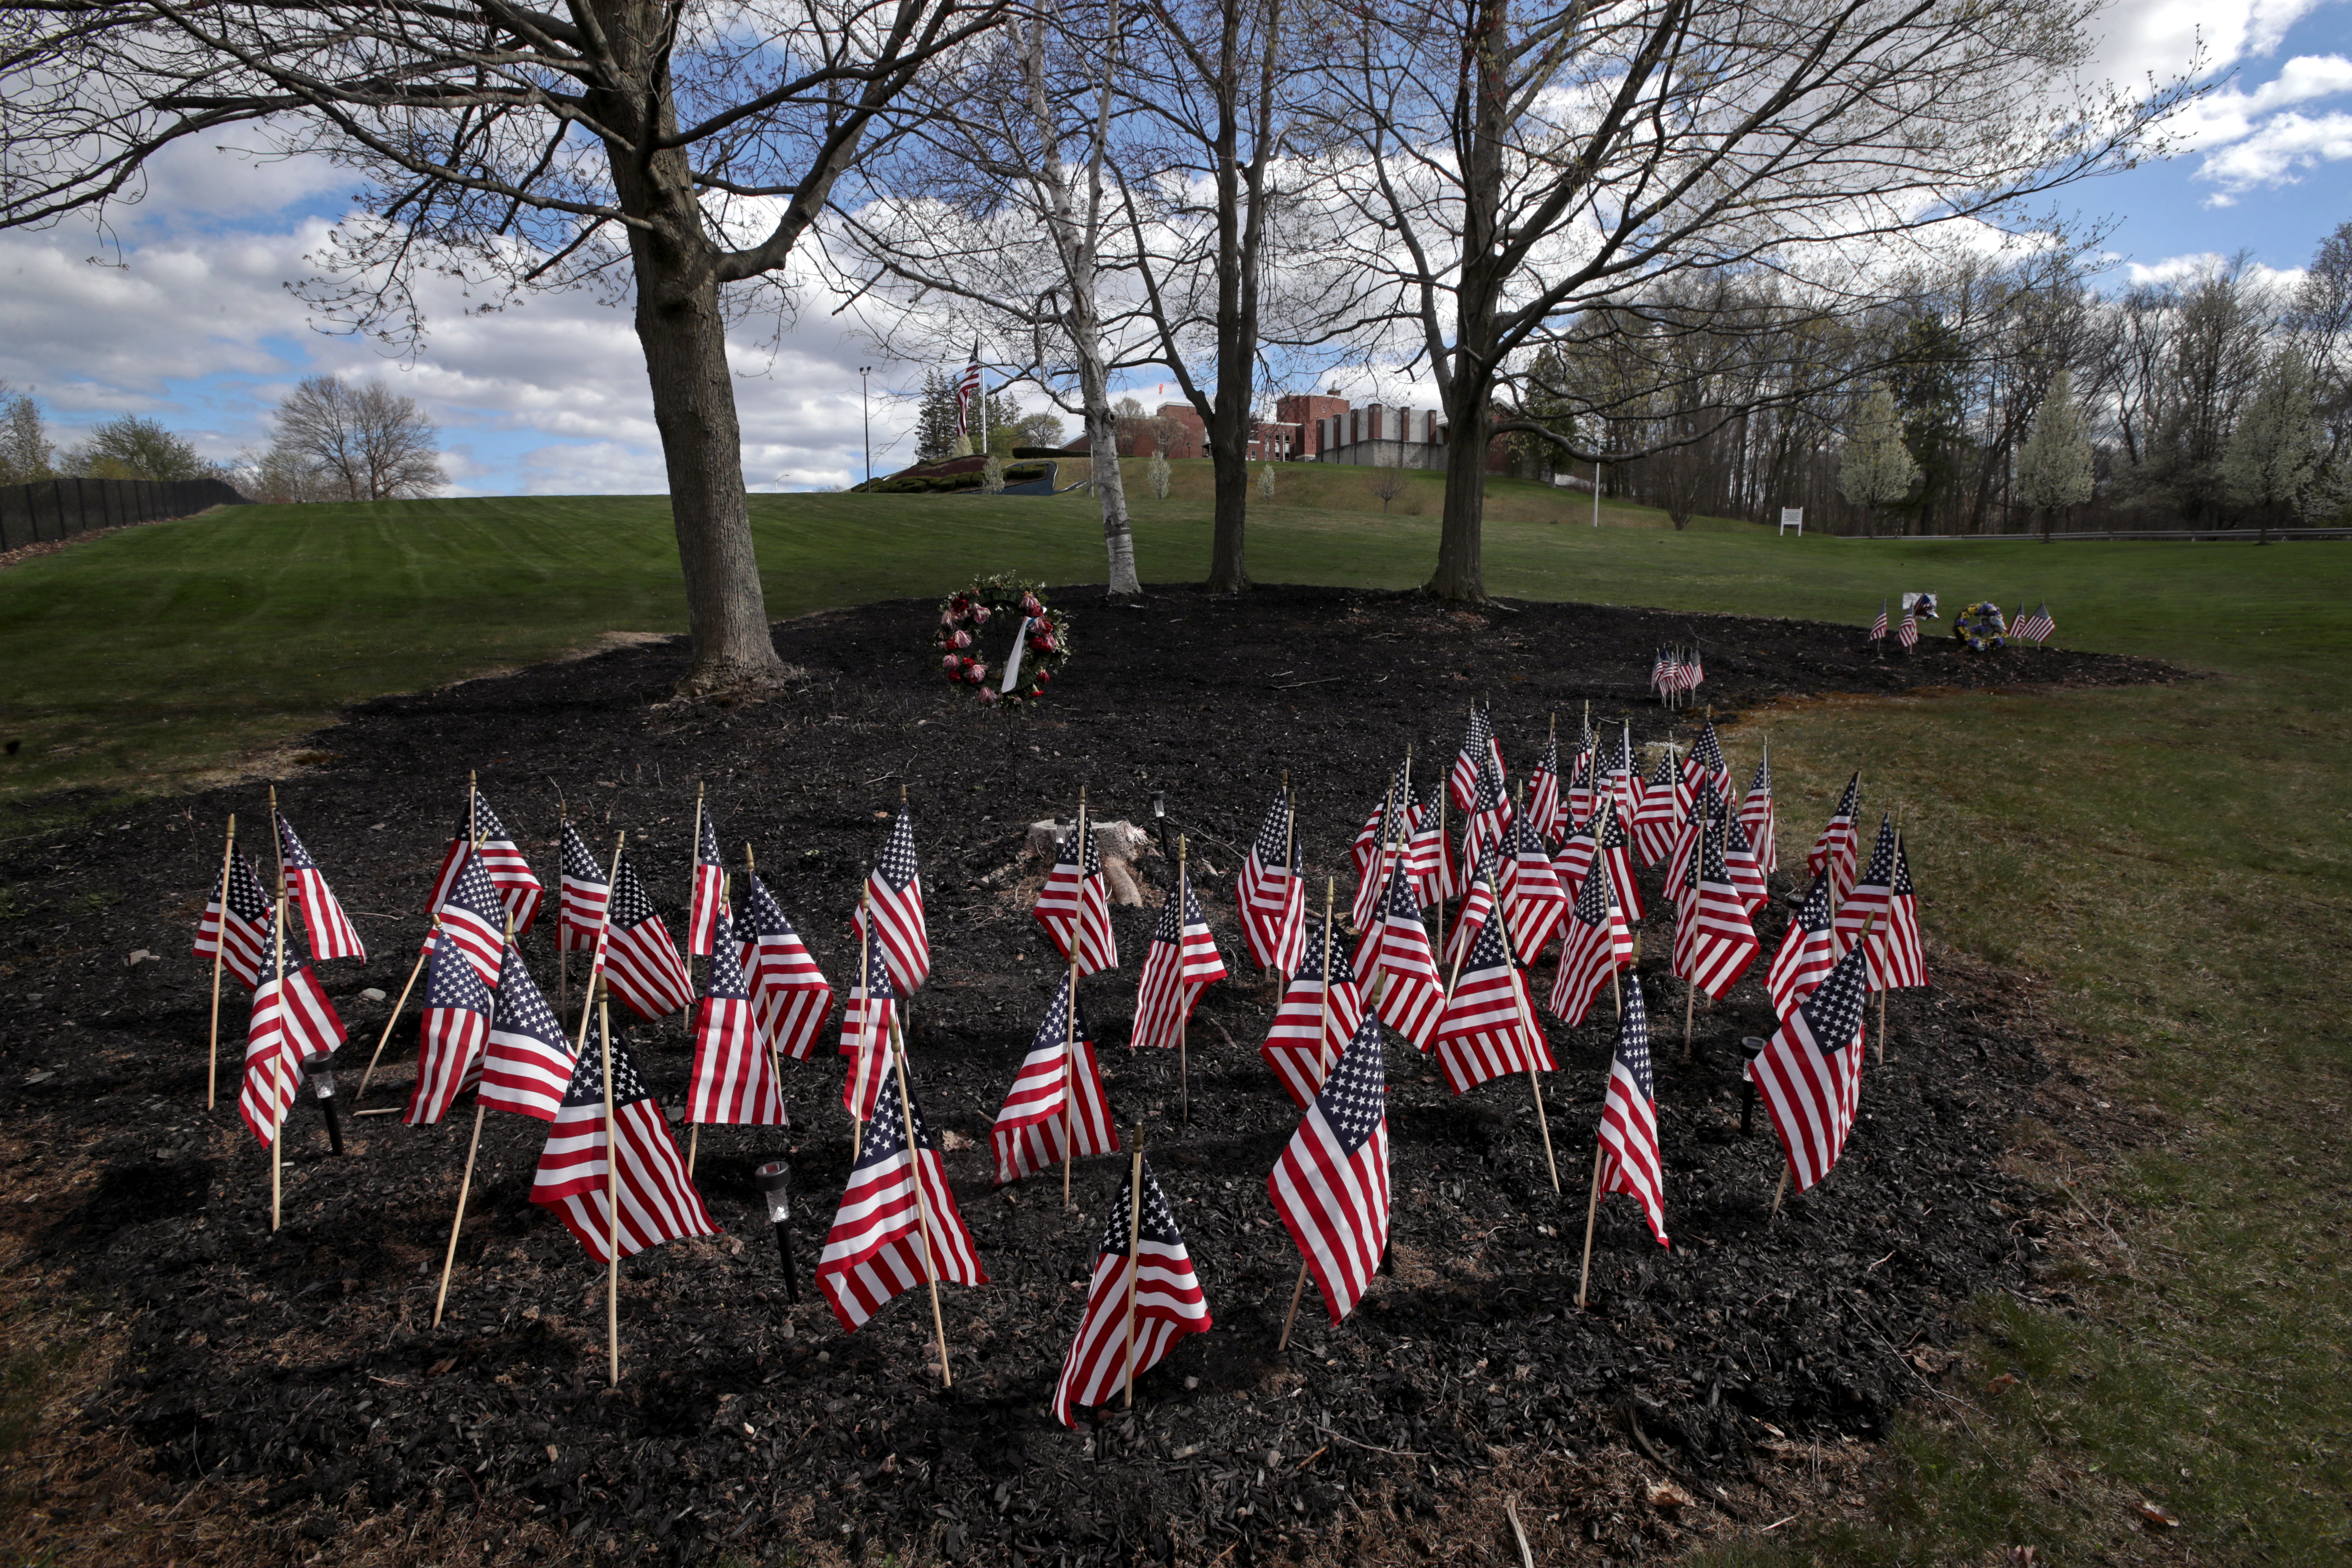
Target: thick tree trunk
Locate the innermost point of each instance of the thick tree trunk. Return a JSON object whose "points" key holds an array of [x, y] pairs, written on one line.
{"points": [[1228, 571], [1110, 486], [1460, 572]]}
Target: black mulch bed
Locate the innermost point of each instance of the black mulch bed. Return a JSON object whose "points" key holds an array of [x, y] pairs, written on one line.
{"points": [[304, 1361]]}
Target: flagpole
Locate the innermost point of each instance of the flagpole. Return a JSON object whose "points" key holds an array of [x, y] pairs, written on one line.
{"points": [[775, 1056], [865, 1006], [1070, 1021], [612, 1184], [278, 838], [474, 842], [563, 953], [1690, 981], [693, 884], [596, 953], [466, 1183], [1289, 862], [220, 945], [278, 1059], [1591, 1212], [1134, 1254], [1380, 993], [1323, 1029], [1520, 999], [1183, 1018], [1890, 934], [922, 1204]]}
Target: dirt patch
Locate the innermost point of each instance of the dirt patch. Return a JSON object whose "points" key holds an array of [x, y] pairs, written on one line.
{"points": [[297, 1374]]}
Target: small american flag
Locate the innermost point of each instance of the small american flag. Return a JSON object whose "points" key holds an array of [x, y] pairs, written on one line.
{"points": [[1394, 958], [1317, 1017], [897, 885], [331, 935], [1878, 627], [1477, 902], [881, 1243], [584, 894], [1575, 858], [473, 917], [1332, 1185], [734, 1078], [510, 874], [1838, 842], [457, 1027], [528, 1065], [1873, 894], [708, 897], [1479, 749], [1033, 1126], [1746, 867], [292, 1023], [1707, 755], [1075, 904], [1617, 848], [1714, 942], [658, 1202], [1488, 1027], [865, 1037], [247, 928], [2035, 627], [1577, 805], [1625, 778], [1907, 633], [640, 960], [1387, 832], [1692, 673], [1181, 962], [1434, 870], [1659, 819], [1543, 792], [1665, 669], [1629, 1119], [1907, 965], [789, 996], [1807, 953], [1137, 1308], [1598, 945], [1810, 1075], [1531, 893], [1271, 893], [1756, 815]]}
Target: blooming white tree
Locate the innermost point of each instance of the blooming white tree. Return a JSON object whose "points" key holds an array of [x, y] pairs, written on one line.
{"points": [[1876, 469], [2054, 467]]}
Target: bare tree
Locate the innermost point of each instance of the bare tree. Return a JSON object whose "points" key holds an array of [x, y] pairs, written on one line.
{"points": [[1387, 483], [371, 442], [674, 154]]}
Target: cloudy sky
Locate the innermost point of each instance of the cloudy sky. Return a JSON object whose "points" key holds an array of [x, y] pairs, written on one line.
{"points": [[182, 310]]}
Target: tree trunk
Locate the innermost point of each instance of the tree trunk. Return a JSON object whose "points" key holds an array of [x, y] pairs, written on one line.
{"points": [[1110, 486], [1229, 448], [1460, 574]]}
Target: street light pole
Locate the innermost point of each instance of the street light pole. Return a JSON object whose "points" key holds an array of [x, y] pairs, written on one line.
{"points": [[865, 412]]}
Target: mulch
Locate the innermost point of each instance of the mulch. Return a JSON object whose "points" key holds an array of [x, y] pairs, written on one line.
{"points": [[302, 1367]]}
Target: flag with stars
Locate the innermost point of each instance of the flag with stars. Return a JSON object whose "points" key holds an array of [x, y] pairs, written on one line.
{"points": [[1488, 1026], [1714, 940], [640, 960], [455, 1028], [1810, 1074], [1873, 895], [866, 1035], [1181, 963], [1747, 867], [734, 1079], [1878, 627], [1625, 780], [579, 915], [1598, 945], [1757, 817], [1907, 965], [707, 897], [1272, 894], [1839, 843], [1385, 840], [1317, 1017], [1531, 893], [658, 1199], [1908, 633], [527, 1063], [1629, 1120], [1807, 953], [2035, 627], [1138, 1306], [1480, 751], [519, 893], [239, 937], [790, 998], [292, 1023], [1658, 820], [1544, 808], [1075, 904], [1477, 901], [1034, 1125], [332, 933], [473, 920], [1617, 848], [1575, 858], [1332, 1185], [1430, 862], [897, 885], [1577, 803], [898, 1225], [1707, 755], [1394, 959]]}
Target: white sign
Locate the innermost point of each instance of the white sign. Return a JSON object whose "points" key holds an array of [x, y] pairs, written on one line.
{"points": [[1793, 517]]}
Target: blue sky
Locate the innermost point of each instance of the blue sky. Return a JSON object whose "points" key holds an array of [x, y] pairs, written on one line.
{"points": [[188, 319]]}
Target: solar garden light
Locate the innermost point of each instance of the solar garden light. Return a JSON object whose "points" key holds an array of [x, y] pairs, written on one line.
{"points": [[1750, 1047], [1159, 817], [322, 1084], [774, 1181]]}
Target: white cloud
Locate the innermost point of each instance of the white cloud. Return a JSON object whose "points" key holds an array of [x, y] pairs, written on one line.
{"points": [[2178, 268], [2275, 153]]}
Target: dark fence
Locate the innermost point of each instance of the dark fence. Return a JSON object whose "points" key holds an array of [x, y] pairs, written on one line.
{"points": [[2185, 535], [59, 509]]}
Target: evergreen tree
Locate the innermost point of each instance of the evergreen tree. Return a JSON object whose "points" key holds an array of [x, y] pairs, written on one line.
{"points": [[935, 418], [2054, 467]]}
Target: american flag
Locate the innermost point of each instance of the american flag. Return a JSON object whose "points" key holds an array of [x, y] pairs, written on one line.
{"points": [[789, 996], [658, 1202], [967, 388], [1430, 861], [1629, 1119], [584, 894], [1137, 1308], [1838, 842], [1394, 959], [2035, 627], [1664, 670], [527, 1064], [1714, 943], [881, 1243], [1181, 962], [1625, 778], [1692, 674], [1598, 945], [1317, 1017], [1076, 901], [1575, 858], [1543, 791], [473, 919], [1489, 1027], [247, 926], [866, 1037], [1810, 1075], [1271, 893], [457, 1025], [1032, 1127], [1490, 814], [1659, 819], [1477, 901], [1617, 848], [1878, 627], [734, 1077], [1746, 867], [1531, 893], [1807, 953], [1479, 748], [1332, 1185], [1386, 834], [707, 897], [1577, 805], [1873, 895], [1907, 965], [331, 935], [1707, 755], [1756, 815], [640, 959], [1908, 632], [510, 873], [292, 1023], [897, 885]]}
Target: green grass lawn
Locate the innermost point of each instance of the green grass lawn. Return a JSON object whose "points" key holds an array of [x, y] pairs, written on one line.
{"points": [[2175, 864]]}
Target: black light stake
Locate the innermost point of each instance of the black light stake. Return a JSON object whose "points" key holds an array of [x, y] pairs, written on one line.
{"points": [[1751, 1046], [774, 1181], [322, 1084]]}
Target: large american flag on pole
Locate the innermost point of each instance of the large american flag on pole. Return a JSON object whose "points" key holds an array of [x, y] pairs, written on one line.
{"points": [[1394, 959], [1810, 1074], [865, 1037], [734, 1079], [640, 960], [1271, 893], [1137, 1307], [881, 1243], [967, 388], [332, 933], [1597, 945], [585, 894], [658, 1199], [472, 920], [241, 936], [1317, 1017], [455, 1029], [896, 885], [1489, 1027], [1838, 842], [1714, 942], [1807, 953], [789, 996], [1181, 962], [1075, 902], [709, 895], [1332, 1185], [1032, 1127], [292, 1023], [527, 1064], [1629, 1119]]}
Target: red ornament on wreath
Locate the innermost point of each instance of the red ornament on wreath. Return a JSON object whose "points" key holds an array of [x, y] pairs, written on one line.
{"points": [[1027, 627]]}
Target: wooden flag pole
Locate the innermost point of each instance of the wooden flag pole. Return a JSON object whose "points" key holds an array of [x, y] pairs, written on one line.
{"points": [[612, 1190], [775, 1056], [865, 1004], [1289, 868], [1591, 1212], [1323, 1028], [1526, 1021], [693, 880], [465, 1186], [1690, 983], [1070, 1023], [278, 838], [1183, 1013], [277, 1060], [1782, 1191], [394, 1022], [563, 953], [694, 1128], [220, 945], [1890, 931], [922, 1204], [1134, 1254]]}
